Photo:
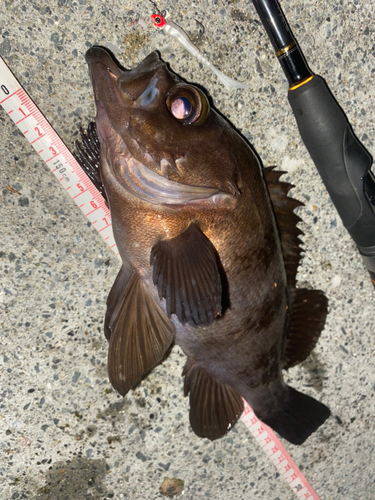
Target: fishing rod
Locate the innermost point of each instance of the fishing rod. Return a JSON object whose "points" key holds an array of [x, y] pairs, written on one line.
{"points": [[341, 159]]}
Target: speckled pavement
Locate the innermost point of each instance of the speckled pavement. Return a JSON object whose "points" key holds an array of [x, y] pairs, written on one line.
{"points": [[64, 434]]}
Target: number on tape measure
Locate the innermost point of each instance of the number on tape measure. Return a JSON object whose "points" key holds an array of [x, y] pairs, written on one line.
{"points": [[276, 452], [55, 154]]}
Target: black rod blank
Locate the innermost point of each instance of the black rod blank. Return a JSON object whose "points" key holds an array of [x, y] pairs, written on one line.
{"points": [[286, 48], [341, 159]]}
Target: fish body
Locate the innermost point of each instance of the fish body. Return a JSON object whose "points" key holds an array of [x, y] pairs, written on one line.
{"points": [[210, 249]]}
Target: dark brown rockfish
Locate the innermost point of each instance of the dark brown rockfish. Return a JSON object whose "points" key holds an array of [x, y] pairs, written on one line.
{"points": [[210, 250]]}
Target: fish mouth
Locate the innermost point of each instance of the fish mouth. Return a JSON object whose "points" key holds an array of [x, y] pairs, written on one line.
{"points": [[102, 63], [122, 159], [145, 184], [98, 55], [102, 55]]}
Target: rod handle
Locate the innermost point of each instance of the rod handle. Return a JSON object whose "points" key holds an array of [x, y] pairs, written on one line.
{"points": [[341, 159]]}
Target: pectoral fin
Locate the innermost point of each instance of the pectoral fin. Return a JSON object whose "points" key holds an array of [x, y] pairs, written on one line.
{"points": [[186, 274], [140, 333], [214, 406]]}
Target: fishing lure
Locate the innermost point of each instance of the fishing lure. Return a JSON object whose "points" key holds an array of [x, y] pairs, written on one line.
{"points": [[179, 34]]}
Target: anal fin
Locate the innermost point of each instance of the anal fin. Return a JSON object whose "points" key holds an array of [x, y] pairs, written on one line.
{"points": [[214, 406], [186, 273], [139, 332], [306, 317]]}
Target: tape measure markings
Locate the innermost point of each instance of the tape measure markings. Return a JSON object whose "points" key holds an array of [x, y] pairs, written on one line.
{"points": [[276, 452], [33, 125]]}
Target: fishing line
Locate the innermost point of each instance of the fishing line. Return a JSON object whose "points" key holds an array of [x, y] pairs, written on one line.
{"points": [[46, 142]]}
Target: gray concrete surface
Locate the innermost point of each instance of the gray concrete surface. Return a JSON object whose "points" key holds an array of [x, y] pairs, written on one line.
{"points": [[64, 434]]}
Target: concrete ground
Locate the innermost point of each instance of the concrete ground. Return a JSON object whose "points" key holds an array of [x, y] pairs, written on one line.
{"points": [[64, 434]]}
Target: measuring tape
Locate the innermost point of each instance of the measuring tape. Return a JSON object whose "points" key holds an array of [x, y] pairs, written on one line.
{"points": [[31, 122], [276, 452], [62, 163]]}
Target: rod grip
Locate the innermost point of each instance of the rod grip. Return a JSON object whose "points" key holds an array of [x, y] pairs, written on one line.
{"points": [[341, 159]]}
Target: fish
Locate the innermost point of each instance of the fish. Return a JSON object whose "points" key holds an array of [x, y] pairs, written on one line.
{"points": [[210, 248]]}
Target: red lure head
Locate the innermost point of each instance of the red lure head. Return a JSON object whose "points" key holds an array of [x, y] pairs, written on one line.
{"points": [[158, 21]]}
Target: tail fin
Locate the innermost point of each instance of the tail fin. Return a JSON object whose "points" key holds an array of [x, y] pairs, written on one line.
{"points": [[301, 416]]}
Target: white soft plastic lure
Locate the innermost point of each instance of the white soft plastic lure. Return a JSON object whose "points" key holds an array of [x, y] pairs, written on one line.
{"points": [[179, 34]]}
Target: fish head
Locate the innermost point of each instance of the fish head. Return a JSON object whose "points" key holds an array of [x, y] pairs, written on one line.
{"points": [[161, 139]]}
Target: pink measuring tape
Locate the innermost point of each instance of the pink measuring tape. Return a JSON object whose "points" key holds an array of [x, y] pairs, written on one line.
{"points": [[276, 452], [31, 122], [28, 118]]}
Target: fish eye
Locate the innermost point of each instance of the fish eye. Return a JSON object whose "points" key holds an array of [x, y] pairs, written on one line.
{"points": [[181, 108], [188, 104]]}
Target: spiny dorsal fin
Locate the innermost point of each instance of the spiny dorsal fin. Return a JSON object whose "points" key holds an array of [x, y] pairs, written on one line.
{"points": [[88, 156], [286, 220], [306, 317], [214, 406]]}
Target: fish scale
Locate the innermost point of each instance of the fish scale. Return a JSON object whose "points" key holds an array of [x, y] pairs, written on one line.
{"points": [[46, 142]]}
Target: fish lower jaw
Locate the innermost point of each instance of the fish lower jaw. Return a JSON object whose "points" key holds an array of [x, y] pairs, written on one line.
{"points": [[140, 181], [151, 187]]}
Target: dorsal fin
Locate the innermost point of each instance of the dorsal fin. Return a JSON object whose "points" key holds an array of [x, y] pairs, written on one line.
{"points": [[286, 221]]}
